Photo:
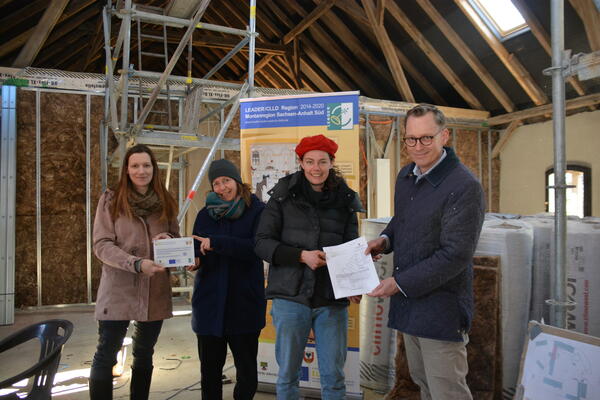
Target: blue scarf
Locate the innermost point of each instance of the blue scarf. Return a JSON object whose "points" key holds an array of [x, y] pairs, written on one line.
{"points": [[218, 208]]}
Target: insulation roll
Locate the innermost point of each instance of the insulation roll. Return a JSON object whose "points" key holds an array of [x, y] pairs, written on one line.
{"points": [[512, 240], [375, 336]]}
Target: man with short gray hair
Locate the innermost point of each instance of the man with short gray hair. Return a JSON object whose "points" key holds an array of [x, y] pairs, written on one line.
{"points": [[438, 213]]}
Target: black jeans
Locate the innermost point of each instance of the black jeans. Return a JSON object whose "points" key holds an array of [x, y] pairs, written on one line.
{"points": [[110, 340], [213, 351]]}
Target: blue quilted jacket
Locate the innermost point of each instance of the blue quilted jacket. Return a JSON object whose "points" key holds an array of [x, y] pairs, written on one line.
{"points": [[434, 232]]}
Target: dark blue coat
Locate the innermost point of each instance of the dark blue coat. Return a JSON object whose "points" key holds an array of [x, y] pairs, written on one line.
{"points": [[434, 233], [229, 290]]}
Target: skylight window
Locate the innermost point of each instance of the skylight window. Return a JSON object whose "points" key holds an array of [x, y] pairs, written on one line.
{"points": [[502, 16]]}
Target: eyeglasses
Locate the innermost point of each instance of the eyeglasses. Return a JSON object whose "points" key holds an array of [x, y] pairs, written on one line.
{"points": [[425, 140]]}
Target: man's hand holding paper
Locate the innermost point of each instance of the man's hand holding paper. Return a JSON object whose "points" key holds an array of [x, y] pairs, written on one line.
{"points": [[351, 271]]}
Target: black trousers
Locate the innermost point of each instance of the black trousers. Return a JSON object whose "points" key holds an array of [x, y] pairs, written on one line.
{"points": [[110, 340], [213, 351]]}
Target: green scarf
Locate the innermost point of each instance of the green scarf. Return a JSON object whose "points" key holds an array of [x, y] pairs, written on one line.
{"points": [[218, 208], [144, 204]]}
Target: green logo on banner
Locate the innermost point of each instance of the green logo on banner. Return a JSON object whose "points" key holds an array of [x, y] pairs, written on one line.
{"points": [[339, 116]]}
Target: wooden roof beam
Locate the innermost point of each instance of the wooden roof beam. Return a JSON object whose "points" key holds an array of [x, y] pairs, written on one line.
{"points": [[312, 50], [361, 52], [505, 137], [308, 20], [97, 43], [278, 72], [420, 79], [543, 38], [13, 44], [590, 16], [313, 75], [40, 33], [353, 10], [380, 11], [12, 20], [434, 56], [389, 52], [572, 104], [465, 51], [346, 63], [509, 60]]}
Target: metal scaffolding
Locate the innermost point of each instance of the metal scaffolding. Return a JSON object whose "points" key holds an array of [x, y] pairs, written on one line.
{"points": [[145, 87]]}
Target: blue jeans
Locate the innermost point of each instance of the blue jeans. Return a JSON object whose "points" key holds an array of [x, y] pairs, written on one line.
{"points": [[293, 322]]}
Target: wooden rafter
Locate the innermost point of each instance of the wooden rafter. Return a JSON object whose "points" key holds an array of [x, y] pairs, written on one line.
{"points": [[40, 33], [434, 56], [353, 10], [380, 11], [280, 72], [413, 71], [311, 50], [310, 71], [511, 62], [49, 54], [13, 20], [465, 51], [505, 137], [590, 16], [75, 6], [71, 24], [346, 63], [572, 104], [361, 52], [543, 38], [308, 20], [96, 43], [389, 52]]}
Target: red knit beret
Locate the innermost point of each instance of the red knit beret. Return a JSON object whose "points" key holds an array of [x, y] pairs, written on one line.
{"points": [[317, 142]]}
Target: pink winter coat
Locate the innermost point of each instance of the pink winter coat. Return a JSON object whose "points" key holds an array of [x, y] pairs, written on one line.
{"points": [[124, 294]]}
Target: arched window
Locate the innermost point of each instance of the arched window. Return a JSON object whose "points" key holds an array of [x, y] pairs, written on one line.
{"points": [[579, 197]]}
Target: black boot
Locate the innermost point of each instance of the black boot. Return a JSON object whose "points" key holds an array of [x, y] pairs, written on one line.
{"points": [[101, 389], [140, 383]]}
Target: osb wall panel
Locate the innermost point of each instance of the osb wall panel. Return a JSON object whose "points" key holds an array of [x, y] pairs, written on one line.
{"points": [[63, 235], [483, 350], [63, 205]]}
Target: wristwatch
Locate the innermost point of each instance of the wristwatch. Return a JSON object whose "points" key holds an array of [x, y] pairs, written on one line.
{"points": [[137, 265]]}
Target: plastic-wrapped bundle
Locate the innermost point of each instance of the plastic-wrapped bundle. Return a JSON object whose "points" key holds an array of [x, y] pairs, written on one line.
{"points": [[375, 336], [541, 283], [392, 359], [513, 241], [489, 216], [583, 276], [583, 271]]}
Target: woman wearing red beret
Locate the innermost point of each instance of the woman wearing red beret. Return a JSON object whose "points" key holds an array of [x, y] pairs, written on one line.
{"points": [[308, 210]]}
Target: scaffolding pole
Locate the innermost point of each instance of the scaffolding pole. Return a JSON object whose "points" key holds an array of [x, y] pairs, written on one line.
{"points": [[559, 298], [252, 46], [211, 153]]}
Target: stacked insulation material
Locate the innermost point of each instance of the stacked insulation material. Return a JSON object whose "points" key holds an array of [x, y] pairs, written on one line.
{"points": [[376, 351], [512, 241]]}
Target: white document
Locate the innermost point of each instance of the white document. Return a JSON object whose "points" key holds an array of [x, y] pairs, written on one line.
{"points": [[177, 252], [352, 272]]}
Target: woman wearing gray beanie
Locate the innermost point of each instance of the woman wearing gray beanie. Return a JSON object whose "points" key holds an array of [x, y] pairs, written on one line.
{"points": [[228, 304]]}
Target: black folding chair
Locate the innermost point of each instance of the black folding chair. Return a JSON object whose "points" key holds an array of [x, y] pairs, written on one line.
{"points": [[52, 335]]}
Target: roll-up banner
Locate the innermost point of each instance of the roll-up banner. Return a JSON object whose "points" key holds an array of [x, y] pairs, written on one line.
{"points": [[270, 128]]}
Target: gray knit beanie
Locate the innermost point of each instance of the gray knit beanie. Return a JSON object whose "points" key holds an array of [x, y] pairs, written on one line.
{"points": [[223, 167]]}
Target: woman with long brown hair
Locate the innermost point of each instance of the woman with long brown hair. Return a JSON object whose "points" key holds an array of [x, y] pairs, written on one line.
{"points": [[132, 286]]}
